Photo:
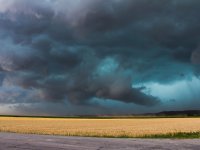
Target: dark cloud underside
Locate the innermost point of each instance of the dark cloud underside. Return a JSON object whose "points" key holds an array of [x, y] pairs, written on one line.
{"points": [[75, 51]]}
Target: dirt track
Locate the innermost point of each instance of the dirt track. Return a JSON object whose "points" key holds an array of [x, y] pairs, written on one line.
{"points": [[10, 141]]}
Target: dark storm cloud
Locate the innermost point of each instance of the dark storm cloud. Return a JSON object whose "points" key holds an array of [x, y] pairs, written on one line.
{"points": [[77, 51]]}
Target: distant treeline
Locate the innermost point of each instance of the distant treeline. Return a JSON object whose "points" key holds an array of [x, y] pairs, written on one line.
{"points": [[164, 114]]}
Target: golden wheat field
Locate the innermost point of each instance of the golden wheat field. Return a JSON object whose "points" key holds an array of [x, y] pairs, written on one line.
{"points": [[99, 127]]}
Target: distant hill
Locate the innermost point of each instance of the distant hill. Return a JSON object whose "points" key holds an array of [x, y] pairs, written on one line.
{"points": [[185, 113], [178, 113]]}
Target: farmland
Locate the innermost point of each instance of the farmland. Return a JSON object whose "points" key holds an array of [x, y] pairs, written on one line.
{"points": [[127, 127]]}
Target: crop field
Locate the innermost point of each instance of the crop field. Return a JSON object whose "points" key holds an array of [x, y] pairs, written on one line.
{"points": [[101, 127]]}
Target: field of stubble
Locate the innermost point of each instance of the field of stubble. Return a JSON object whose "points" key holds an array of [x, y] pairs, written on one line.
{"points": [[100, 127]]}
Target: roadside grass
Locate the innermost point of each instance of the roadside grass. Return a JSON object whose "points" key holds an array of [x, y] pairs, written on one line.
{"points": [[178, 135]]}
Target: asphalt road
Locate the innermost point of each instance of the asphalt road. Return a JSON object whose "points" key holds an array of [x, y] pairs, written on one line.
{"points": [[11, 141]]}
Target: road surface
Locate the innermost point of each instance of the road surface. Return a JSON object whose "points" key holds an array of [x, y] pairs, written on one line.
{"points": [[11, 141]]}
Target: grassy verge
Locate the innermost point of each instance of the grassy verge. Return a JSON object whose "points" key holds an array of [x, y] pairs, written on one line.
{"points": [[178, 135]]}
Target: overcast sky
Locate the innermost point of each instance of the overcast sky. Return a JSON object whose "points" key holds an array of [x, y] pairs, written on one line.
{"points": [[77, 57]]}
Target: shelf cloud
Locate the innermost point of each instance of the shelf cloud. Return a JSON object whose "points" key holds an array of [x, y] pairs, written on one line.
{"points": [[73, 51]]}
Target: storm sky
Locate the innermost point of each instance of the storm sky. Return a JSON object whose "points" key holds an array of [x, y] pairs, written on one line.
{"points": [[78, 57]]}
